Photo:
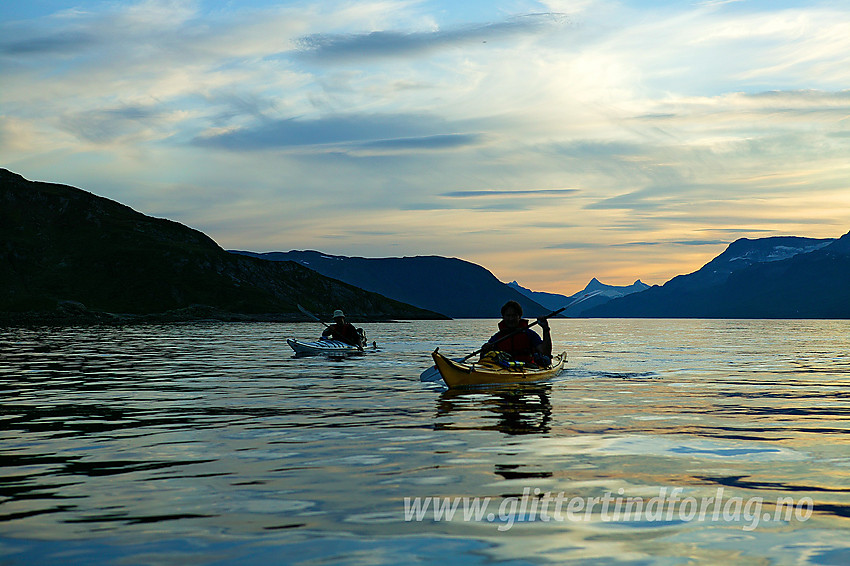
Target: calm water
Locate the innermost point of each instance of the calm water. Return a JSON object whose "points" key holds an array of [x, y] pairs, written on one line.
{"points": [[212, 444]]}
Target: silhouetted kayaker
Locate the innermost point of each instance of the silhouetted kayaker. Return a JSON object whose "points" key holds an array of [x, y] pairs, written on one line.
{"points": [[343, 331], [521, 342]]}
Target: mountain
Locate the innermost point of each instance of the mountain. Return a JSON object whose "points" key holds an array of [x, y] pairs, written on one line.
{"points": [[451, 286], [554, 301], [778, 277], [744, 253], [64, 247]]}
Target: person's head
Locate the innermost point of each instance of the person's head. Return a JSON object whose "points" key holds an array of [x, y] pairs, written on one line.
{"points": [[339, 316], [511, 313]]}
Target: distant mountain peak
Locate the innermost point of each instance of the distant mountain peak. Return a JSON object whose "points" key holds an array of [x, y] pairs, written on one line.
{"points": [[603, 293], [774, 277], [614, 290]]}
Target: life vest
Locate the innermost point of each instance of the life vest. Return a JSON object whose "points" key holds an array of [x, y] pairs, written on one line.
{"points": [[345, 333], [519, 345]]}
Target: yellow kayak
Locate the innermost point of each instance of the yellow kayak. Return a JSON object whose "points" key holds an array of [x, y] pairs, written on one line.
{"points": [[457, 374]]}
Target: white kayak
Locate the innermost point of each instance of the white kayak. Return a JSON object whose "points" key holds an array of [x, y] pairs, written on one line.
{"points": [[319, 347]]}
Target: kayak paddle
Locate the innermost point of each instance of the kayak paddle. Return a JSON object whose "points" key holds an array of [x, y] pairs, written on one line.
{"points": [[311, 315]]}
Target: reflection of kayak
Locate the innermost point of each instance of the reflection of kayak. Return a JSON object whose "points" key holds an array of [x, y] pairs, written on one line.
{"points": [[457, 374], [329, 347]]}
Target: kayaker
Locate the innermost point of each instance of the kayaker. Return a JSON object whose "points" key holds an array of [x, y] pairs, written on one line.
{"points": [[342, 331], [521, 342]]}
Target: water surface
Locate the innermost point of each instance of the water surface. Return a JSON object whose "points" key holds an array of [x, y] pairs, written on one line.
{"points": [[211, 444]]}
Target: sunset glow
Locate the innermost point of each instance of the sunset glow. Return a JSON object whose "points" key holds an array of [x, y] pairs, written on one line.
{"points": [[551, 142]]}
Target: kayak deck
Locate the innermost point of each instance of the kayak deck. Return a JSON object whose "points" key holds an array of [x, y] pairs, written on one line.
{"points": [[318, 347], [458, 374]]}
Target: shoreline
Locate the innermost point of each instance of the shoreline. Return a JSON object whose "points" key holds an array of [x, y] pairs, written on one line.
{"points": [[75, 314]]}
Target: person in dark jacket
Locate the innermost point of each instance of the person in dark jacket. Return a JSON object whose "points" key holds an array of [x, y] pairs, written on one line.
{"points": [[521, 342], [342, 331]]}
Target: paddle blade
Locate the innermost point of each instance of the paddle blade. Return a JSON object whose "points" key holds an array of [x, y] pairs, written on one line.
{"points": [[307, 313], [431, 375]]}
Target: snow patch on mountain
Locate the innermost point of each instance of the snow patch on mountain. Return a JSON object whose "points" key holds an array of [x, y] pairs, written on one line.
{"points": [[603, 294], [777, 253]]}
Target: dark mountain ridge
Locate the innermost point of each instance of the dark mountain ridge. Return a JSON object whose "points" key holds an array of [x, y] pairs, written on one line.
{"points": [[778, 277], [744, 253], [60, 245], [67, 248], [454, 287]]}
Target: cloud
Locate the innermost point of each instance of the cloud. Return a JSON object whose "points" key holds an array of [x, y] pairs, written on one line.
{"points": [[427, 206], [658, 197], [736, 233], [425, 143], [806, 97], [60, 43], [672, 242], [69, 33], [578, 245], [107, 125], [608, 149], [362, 131], [785, 107], [494, 201], [510, 206], [635, 200], [498, 193], [381, 44]]}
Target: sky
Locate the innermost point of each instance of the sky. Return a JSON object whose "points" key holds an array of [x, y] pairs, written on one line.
{"points": [[550, 142]]}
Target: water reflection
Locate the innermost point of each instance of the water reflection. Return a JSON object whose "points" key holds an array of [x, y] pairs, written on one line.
{"points": [[784, 489], [512, 410]]}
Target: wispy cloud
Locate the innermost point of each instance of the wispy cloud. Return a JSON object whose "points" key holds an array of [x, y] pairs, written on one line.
{"points": [[379, 131], [107, 125], [59, 43], [634, 244], [577, 245], [670, 242], [498, 193], [380, 44]]}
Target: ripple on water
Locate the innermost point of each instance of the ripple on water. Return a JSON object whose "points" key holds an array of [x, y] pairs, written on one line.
{"points": [[668, 446]]}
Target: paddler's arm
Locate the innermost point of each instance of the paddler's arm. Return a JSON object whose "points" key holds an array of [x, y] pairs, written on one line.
{"points": [[490, 345], [354, 337]]}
